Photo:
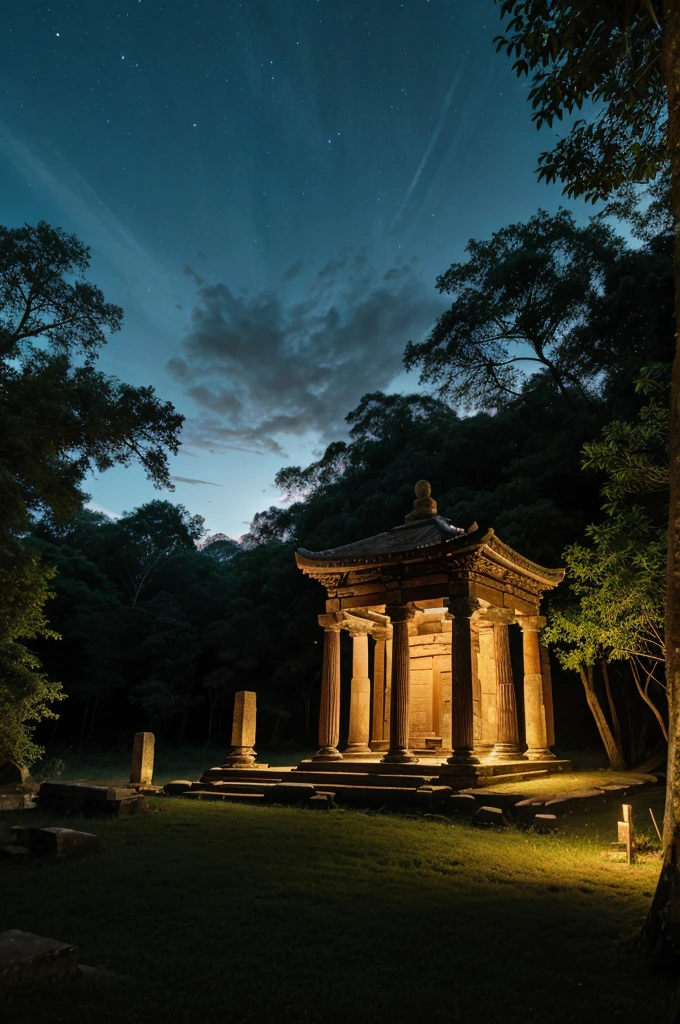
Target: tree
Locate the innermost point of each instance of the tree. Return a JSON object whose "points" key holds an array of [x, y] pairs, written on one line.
{"points": [[147, 537], [623, 59], [519, 301], [615, 609], [59, 419], [25, 692]]}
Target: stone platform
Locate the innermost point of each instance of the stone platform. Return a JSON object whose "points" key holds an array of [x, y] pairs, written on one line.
{"points": [[367, 781]]}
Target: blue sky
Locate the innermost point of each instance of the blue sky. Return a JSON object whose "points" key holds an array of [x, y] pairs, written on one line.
{"points": [[269, 190]]}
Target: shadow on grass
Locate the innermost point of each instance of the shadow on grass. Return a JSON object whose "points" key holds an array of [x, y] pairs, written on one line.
{"points": [[229, 913]]}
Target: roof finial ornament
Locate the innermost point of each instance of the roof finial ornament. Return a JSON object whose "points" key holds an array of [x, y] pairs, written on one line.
{"points": [[424, 507]]}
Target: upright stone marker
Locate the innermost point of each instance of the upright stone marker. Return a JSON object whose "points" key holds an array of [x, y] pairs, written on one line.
{"points": [[243, 731], [142, 759], [627, 833]]}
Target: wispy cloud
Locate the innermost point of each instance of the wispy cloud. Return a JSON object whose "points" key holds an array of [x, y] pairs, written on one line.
{"points": [[262, 369], [191, 480]]}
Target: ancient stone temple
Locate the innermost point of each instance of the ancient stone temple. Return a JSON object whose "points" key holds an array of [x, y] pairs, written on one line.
{"points": [[436, 605]]}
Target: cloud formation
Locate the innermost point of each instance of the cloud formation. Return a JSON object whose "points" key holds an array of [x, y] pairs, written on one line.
{"points": [[191, 480], [261, 368]]}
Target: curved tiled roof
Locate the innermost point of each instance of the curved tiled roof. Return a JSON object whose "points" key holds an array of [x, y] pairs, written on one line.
{"points": [[422, 533]]}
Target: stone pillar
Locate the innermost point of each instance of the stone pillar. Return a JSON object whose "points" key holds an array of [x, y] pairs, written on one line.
{"points": [[329, 714], [379, 732], [534, 707], [243, 731], [476, 691], [142, 759], [488, 696], [548, 696], [506, 747], [360, 696], [399, 752], [462, 734], [388, 683]]}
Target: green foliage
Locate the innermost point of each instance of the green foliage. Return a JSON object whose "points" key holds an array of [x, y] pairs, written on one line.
{"points": [[605, 56], [520, 302], [613, 609], [60, 419], [25, 691]]}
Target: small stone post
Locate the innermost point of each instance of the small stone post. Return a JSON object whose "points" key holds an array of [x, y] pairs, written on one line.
{"points": [[627, 832], [243, 731], [142, 759]]}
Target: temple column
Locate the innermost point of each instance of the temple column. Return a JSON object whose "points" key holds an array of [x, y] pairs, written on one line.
{"points": [[506, 747], [548, 698], [389, 644], [476, 691], [534, 707], [462, 730], [329, 714], [486, 668], [360, 696], [399, 751], [378, 730]]}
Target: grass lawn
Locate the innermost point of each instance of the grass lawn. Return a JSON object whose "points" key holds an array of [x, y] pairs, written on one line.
{"points": [[226, 913], [183, 763]]}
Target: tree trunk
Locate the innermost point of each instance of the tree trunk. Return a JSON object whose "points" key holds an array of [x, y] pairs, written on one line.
{"points": [[614, 753], [662, 926], [616, 728]]}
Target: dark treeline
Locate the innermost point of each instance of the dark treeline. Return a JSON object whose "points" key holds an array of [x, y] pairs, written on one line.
{"points": [[159, 628]]}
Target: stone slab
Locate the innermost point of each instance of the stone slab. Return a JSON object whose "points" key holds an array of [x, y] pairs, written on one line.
{"points": [[13, 853], [545, 822], [290, 792], [464, 803], [64, 843], [580, 800], [525, 810], [488, 816], [27, 959], [91, 801], [177, 787]]}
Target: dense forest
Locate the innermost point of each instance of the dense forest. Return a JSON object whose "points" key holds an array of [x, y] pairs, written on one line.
{"points": [[539, 413]]}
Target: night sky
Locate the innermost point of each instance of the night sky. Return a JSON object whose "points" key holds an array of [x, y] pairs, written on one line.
{"points": [[269, 190]]}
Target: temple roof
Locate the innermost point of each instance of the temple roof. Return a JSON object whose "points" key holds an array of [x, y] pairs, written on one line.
{"points": [[421, 533], [425, 543]]}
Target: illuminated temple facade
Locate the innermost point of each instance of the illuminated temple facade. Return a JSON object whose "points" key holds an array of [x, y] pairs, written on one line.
{"points": [[436, 604]]}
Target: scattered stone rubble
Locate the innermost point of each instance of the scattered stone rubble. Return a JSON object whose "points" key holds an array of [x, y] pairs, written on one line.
{"points": [[27, 959], [57, 843]]}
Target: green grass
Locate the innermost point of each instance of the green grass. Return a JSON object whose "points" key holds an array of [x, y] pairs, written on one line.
{"points": [[184, 763], [228, 913]]}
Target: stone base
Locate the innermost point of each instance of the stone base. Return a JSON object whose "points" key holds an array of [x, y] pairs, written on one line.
{"points": [[357, 752]]}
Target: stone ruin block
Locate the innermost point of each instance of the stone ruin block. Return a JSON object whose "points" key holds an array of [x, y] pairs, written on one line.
{"points": [[142, 759], [464, 803], [489, 816], [91, 801], [27, 959], [177, 787], [525, 810], [64, 843], [290, 793], [545, 822]]}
